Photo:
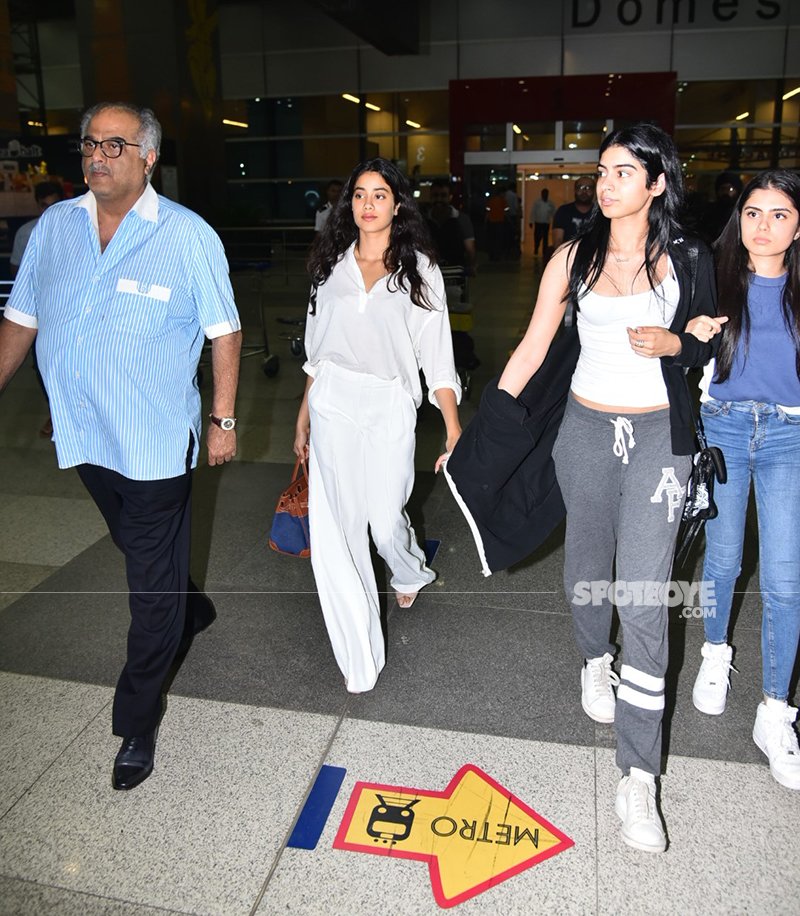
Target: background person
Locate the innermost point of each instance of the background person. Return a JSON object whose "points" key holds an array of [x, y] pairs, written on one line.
{"points": [[751, 410], [727, 188], [622, 456], [332, 191], [496, 224], [119, 287], [46, 193], [451, 229], [541, 213], [378, 313], [570, 219], [513, 216]]}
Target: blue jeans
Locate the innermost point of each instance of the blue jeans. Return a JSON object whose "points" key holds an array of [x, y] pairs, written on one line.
{"points": [[761, 443]]}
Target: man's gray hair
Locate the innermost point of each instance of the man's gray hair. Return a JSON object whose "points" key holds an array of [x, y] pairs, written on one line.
{"points": [[149, 134]]}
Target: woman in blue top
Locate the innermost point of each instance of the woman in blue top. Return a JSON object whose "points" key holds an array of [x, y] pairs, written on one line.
{"points": [[751, 410]]}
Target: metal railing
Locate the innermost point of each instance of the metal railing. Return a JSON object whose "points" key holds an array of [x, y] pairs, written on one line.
{"points": [[277, 251], [5, 291]]}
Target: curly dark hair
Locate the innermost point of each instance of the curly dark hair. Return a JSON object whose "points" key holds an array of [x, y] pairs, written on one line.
{"points": [[734, 273], [408, 237], [656, 151]]}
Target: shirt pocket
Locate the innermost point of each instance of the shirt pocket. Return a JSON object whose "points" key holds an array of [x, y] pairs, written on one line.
{"points": [[139, 307], [142, 288]]}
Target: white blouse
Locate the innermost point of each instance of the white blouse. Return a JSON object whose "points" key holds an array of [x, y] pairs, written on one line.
{"points": [[382, 332]]}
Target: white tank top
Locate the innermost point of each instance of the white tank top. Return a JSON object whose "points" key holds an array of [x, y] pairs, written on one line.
{"points": [[608, 370]]}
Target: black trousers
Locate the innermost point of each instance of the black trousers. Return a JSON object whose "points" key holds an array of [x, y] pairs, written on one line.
{"points": [[150, 522], [540, 234]]}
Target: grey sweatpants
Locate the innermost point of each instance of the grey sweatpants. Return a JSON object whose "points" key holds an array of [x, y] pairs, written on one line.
{"points": [[624, 492]]}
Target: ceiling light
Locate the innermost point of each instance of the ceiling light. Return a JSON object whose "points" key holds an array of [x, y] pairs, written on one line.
{"points": [[351, 98], [234, 123], [371, 106], [516, 128], [742, 116], [413, 124], [791, 93]]}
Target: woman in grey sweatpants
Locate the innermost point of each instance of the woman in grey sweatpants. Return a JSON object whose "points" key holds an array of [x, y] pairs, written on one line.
{"points": [[630, 509], [623, 454]]}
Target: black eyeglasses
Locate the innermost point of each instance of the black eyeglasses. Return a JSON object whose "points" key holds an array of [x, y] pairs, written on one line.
{"points": [[111, 148]]}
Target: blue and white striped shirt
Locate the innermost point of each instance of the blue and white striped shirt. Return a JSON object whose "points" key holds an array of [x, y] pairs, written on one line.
{"points": [[120, 332]]}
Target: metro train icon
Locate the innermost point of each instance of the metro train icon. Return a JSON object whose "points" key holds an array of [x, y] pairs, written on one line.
{"points": [[390, 821]]}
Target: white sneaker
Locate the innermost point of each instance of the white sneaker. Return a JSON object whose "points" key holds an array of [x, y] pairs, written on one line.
{"points": [[636, 807], [598, 680], [711, 685], [774, 733]]}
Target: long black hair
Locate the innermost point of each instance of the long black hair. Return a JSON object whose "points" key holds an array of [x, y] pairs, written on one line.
{"points": [[656, 152], [408, 235], [734, 273]]}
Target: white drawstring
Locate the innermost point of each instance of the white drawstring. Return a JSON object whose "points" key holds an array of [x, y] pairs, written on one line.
{"points": [[622, 425]]}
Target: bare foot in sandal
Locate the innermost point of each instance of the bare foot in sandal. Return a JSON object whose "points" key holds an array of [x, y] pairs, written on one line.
{"points": [[406, 600]]}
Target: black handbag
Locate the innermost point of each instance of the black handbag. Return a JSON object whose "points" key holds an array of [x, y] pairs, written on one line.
{"points": [[708, 469]]}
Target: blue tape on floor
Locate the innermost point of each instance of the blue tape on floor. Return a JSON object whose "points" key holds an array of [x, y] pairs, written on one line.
{"points": [[430, 550], [314, 815]]}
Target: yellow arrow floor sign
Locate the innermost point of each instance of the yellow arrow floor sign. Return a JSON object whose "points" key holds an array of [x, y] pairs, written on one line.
{"points": [[473, 835]]}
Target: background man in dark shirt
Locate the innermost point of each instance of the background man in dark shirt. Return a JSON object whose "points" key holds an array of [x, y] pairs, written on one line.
{"points": [[451, 230], [569, 218]]}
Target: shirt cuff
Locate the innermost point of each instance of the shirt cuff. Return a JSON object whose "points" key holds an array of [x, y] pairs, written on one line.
{"points": [[436, 386], [27, 321], [221, 329], [309, 369]]}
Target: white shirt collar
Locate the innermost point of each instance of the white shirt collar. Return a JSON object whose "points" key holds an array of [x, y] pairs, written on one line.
{"points": [[145, 207]]}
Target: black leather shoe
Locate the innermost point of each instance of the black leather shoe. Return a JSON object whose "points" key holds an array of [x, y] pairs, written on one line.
{"points": [[200, 611], [204, 614], [200, 614], [134, 761]]}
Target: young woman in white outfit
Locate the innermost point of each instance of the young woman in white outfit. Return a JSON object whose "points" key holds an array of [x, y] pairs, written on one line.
{"points": [[377, 315], [623, 453]]}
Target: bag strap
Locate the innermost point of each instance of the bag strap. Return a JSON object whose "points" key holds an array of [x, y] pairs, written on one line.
{"points": [[693, 253], [299, 467]]}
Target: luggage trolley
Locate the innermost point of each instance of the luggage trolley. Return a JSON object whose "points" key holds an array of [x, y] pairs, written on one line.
{"points": [[456, 285]]}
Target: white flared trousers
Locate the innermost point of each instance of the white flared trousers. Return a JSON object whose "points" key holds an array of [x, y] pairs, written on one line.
{"points": [[361, 473]]}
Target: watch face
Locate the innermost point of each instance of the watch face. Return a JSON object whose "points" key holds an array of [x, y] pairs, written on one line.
{"points": [[227, 423]]}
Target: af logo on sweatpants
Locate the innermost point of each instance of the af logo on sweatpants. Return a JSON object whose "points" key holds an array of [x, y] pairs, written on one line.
{"points": [[674, 492]]}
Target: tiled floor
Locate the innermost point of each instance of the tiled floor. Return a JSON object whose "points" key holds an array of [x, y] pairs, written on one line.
{"points": [[480, 671]]}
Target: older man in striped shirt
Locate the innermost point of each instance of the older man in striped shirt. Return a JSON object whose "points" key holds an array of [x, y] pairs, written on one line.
{"points": [[120, 288]]}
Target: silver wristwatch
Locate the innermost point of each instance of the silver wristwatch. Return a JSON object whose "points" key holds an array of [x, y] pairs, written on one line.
{"points": [[226, 423]]}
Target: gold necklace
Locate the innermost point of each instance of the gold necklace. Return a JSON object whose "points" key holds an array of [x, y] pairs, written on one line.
{"points": [[620, 260]]}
